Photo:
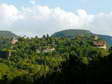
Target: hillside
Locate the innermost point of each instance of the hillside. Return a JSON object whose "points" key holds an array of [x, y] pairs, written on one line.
{"points": [[71, 33], [7, 34], [5, 37]]}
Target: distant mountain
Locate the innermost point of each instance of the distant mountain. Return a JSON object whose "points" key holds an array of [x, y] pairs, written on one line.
{"points": [[7, 34], [71, 33]]}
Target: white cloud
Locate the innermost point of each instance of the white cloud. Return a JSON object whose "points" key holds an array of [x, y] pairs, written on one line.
{"points": [[39, 20], [8, 15], [102, 23], [42, 19]]}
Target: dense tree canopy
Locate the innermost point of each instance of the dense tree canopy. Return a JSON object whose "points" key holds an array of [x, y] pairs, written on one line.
{"points": [[50, 60]]}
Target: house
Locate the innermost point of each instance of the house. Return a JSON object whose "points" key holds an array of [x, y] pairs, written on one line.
{"points": [[45, 50], [48, 50], [14, 41], [100, 44]]}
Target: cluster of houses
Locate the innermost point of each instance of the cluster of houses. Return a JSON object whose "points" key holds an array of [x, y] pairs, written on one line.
{"points": [[96, 43], [99, 43]]}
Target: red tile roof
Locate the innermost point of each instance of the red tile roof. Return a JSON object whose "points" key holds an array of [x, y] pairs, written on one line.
{"points": [[99, 43]]}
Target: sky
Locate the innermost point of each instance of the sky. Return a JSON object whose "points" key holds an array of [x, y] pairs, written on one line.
{"points": [[39, 17]]}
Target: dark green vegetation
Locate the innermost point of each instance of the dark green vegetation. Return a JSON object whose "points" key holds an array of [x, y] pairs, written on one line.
{"points": [[71, 33], [5, 38], [50, 60]]}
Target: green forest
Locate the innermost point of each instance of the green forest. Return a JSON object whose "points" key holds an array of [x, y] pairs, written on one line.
{"points": [[52, 60]]}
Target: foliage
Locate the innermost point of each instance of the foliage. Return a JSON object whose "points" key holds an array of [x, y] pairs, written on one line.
{"points": [[65, 61], [71, 33]]}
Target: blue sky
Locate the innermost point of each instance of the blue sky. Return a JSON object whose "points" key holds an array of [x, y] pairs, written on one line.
{"points": [[92, 6], [38, 17]]}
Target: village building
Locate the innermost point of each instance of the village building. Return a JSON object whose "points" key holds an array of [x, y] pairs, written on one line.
{"points": [[14, 41], [47, 50], [100, 44]]}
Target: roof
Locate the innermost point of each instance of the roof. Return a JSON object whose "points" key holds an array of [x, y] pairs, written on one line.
{"points": [[99, 43]]}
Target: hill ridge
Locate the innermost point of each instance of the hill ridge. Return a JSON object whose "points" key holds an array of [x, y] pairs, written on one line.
{"points": [[71, 33]]}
